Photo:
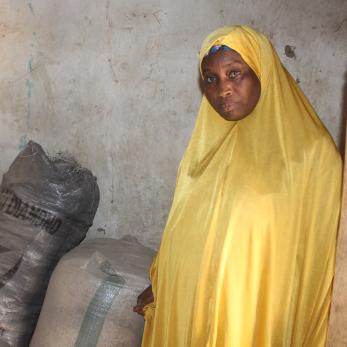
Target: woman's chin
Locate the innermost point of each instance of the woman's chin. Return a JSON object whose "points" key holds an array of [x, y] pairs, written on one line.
{"points": [[231, 116]]}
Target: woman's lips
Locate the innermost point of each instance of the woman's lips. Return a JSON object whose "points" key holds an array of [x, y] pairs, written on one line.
{"points": [[227, 106]]}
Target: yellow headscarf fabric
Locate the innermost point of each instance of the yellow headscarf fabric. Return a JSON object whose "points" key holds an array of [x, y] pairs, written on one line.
{"points": [[247, 255]]}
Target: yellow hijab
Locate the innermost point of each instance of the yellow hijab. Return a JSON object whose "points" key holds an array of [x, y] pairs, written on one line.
{"points": [[247, 255]]}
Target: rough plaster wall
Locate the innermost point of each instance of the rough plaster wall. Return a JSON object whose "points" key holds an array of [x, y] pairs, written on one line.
{"points": [[115, 83], [337, 333]]}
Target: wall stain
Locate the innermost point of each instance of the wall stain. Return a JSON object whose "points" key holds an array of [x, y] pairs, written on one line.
{"points": [[155, 15], [31, 8], [130, 29], [340, 25], [289, 51], [23, 141], [30, 65], [109, 42], [29, 87], [101, 230]]}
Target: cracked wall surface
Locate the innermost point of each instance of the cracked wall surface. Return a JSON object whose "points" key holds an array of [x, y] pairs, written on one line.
{"points": [[115, 83]]}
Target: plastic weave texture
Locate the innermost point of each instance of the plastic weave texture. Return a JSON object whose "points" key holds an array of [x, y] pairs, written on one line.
{"points": [[47, 205]]}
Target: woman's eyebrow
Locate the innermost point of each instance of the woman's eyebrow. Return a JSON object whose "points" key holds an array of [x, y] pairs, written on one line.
{"points": [[234, 61], [238, 62]]}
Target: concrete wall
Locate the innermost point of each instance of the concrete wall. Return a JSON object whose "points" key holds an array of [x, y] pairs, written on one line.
{"points": [[115, 83]]}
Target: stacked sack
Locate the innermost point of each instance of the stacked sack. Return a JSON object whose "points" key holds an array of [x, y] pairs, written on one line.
{"points": [[91, 294], [46, 207]]}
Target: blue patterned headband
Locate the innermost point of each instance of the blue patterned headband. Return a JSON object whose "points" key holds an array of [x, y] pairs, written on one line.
{"points": [[218, 48]]}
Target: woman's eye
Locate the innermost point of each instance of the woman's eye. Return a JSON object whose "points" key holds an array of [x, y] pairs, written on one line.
{"points": [[234, 74], [210, 79]]}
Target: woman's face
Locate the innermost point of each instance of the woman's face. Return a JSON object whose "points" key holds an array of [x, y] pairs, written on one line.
{"points": [[230, 85]]}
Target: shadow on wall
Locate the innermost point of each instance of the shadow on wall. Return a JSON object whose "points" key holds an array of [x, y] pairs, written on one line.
{"points": [[342, 134]]}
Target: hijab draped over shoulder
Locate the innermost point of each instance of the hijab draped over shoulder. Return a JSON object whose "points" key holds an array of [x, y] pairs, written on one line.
{"points": [[247, 256]]}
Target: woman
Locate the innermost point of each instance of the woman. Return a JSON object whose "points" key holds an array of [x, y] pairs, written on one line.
{"points": [[247, 255]]}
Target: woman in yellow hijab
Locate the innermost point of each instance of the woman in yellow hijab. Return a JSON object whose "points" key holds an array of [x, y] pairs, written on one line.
{"points": [[247, 255]]}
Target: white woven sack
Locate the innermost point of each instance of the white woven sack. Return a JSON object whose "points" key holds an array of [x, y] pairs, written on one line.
{"points": [[91, 294]]}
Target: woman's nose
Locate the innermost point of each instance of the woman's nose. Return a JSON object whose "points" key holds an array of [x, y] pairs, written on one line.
{"points": [[225, 88]]}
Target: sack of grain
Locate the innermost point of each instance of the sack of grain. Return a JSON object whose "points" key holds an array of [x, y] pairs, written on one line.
{"points": [[46, 207], [91, 294]]}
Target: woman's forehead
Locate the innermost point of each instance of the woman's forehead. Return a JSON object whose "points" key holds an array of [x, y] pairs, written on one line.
{"points": [[222, 58]]}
